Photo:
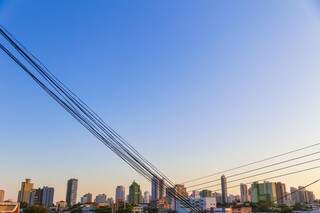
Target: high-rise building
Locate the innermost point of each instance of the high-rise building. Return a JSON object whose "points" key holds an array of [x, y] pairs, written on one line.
{"points": [[207, 203], [162, 188], [110, 201], [146, 197], [178, 190], [205, 193], [281, 193], [47, 196], [218, 197], [87, 198], [294, 195], [42, 196], [195, 194], [265, 191], [233, 198], [154, 189], [243, 193], [61, 205], [101, 198], [134, 194], [250, 194], [181, 190], [301, 195], [26, 189], [170, 192], [72, 188], [1, 196], [35, 197], [224, 190], [120, 194]]}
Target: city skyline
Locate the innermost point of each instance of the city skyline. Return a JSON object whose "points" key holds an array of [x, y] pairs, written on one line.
{"points": [[279, 192], [182, 83]]}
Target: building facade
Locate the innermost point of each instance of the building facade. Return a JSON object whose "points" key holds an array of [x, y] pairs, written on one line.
{"points": [[42, 196], [243, 193], [301, 195], [9, 207], [146, 197], [25, 191], [281, 193], [61, 205], [87, 198], [265, 191], [101, 198], [72, 190], [1, 195], [120, 194], [155, 189], [135, 196], [47, 196], [224, 191], [205, 193]]}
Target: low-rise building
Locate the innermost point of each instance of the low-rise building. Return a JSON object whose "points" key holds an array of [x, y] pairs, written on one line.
{"points": [[222, 210], [241, 209], [9, 207], [1, 196], [87, 198], [61, 205], [137, 209], [101, 198]]}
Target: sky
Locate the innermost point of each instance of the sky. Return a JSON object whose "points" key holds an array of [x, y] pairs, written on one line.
{"points": [[195, 86]]}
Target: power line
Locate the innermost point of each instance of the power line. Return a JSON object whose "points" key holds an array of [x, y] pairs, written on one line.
{"points": [[262, 179], [252, 163], [299, 189], [256, 169], [88, 118]]}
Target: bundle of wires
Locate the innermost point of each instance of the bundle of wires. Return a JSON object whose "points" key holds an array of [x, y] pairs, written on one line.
{"points": [[79, 110]]}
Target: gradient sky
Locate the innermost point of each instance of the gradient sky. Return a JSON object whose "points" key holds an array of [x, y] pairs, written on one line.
{"points": [[195, 86]]}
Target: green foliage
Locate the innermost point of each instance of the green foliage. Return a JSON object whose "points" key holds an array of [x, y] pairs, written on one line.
{"points": [[300, 207], [262, 206], [36, 209], [128, 209], [23, 205], [103, 210], [76, 210], [247, 204], [284, 208], [151, 210]]}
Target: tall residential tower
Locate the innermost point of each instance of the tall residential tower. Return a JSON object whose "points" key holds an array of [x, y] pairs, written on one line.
{"points": [[120, 194], [26, 189], [224, 190], [243, 193], [72, 188]]}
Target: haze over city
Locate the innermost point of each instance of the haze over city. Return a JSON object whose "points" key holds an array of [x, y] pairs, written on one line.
{"points": [[195, 87]]}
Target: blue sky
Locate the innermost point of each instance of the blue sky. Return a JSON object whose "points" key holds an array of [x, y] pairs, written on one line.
{"points": [[195, 86]]}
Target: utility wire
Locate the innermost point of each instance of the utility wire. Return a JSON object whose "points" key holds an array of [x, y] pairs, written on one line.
{"points": [[270, 171], [90, 120], [295, 191], [262, 179], [252, 163], [256, 169]]}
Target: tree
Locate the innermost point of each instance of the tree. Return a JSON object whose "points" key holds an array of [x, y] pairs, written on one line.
{"points": [[103, 210], [262, 206], [284, 208], [36, 209], [128, 209], [300, 207], [23, 205]]}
